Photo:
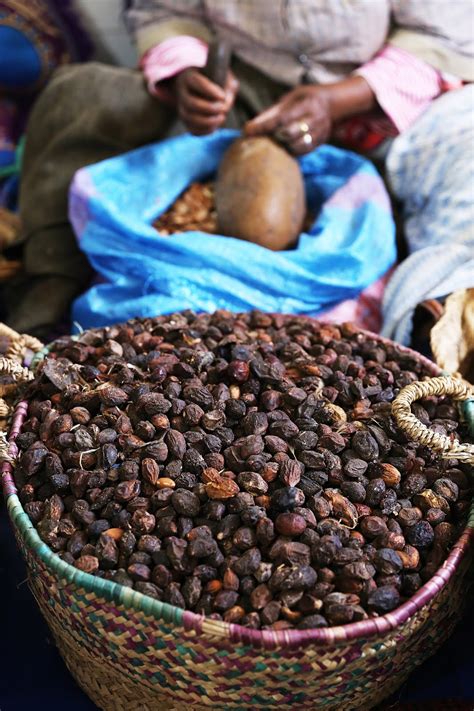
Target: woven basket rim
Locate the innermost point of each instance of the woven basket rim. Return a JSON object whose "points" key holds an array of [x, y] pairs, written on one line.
{"points": [[270, 639]]}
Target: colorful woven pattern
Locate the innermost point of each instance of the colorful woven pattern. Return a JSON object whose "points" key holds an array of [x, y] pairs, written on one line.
{"points": [[125, 659], [130, 652]]}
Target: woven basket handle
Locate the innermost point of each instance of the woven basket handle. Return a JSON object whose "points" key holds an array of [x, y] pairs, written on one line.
{"points": [[12, 364], [406, 420]]}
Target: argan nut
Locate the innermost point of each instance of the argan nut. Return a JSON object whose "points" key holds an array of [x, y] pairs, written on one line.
{"points": [[115, 533], [234, 391], [429, 499], [234, 614], [291, 615], [87, 563], [372, 526], [390, 475], [409, 516], [269, 472], [213, 586], [260, 597], [151, 471], [230, 580], [447, 489], [166, 483], [290, 524], [410, 557]]}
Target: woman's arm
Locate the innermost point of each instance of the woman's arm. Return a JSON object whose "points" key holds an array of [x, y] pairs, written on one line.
{"points": [[304, 117], [169, 58], [150, 22], [403, 84], [427, 38], [438, 33], [396, 81], [172, 37]]}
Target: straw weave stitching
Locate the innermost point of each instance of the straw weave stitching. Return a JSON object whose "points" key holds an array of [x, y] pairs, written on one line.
{"points": [[12, 364], [18, 346], [4, 446], [406, 420], [132, 653], [17, 371]]}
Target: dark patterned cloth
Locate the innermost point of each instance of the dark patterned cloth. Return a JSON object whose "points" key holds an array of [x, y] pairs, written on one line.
{"points": [[36, 36]]}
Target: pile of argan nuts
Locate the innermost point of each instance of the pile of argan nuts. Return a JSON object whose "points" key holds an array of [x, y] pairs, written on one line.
{"points": [[242, 466], [193, 210]]}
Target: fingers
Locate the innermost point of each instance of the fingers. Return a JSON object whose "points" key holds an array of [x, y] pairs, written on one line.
{"points": [[201, 116], [301, 120], [266, 122], [193, 104], [305, 143], [295, 112], [318, 133], [198, 105], [201, 125], [197, 83], [299, 136], [199, 88], [289, 109], [231, 87], [295, 130]]}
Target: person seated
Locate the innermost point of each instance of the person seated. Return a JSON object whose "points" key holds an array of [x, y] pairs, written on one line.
{"points": [[35, 38], [389, 79]]}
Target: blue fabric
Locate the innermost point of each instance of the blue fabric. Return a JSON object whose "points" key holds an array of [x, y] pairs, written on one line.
{"points": [[35, 38], [7, 158], [113, 203], [9, 189], [10, 177], [20, 64]]}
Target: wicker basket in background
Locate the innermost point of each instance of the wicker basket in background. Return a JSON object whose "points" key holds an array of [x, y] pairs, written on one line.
{"points": [[130, 652], [10, 227]]}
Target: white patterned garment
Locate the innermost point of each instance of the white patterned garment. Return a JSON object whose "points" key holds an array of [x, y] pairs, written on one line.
{"points": [[430, 168], [323, 40]]}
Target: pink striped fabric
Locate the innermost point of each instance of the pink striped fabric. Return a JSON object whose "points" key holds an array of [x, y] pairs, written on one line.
{"points": [[365, 310], [171, 56], [403, 84]]}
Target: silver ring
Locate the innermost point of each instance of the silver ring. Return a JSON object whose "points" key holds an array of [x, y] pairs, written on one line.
{"points": [[307, 140]]}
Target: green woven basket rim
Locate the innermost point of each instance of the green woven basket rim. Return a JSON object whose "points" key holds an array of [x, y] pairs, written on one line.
{"points": [[131, 599], [113, 592]]}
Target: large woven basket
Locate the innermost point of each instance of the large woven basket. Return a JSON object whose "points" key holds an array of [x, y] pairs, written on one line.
{"points": [[130, 652]]}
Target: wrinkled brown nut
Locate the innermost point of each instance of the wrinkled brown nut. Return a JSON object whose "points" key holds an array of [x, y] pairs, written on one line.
{"points": [[390, 475], [428, 499], [150, 471], [290, 524], [410, 557], [115, 533], [245, 467], [219, 487], [342, 508], [87, 563]]}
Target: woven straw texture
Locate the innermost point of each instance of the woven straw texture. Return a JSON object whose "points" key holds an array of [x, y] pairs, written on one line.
{"points": [[459, 390], [129, 652], [126, 660], [12, 366]]}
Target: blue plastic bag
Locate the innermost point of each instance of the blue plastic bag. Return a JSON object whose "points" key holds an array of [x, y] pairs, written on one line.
{"points": [[140, 273]]}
